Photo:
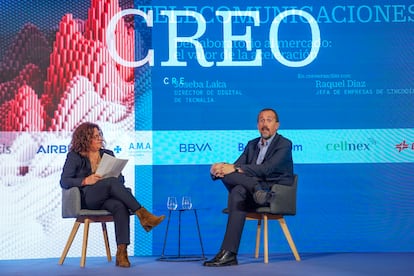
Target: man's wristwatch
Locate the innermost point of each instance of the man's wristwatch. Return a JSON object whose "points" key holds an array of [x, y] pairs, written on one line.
{"points": [[236, 169]]}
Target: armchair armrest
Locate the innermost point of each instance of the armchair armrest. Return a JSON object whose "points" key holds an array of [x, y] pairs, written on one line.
{"points": [[285, 199], [284, 202]]}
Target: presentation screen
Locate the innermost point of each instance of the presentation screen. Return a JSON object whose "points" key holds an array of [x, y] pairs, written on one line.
{"points": [[176, 87]]}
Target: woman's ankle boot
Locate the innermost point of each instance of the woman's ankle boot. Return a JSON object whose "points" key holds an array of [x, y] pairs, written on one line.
{"points": [[122, 256], [148, 220]]}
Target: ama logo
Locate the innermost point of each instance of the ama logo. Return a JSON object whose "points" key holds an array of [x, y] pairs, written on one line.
{"points": [[140, 146]]}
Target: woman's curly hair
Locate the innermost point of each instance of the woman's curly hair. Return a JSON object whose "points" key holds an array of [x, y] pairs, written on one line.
{"points": [[82, 137]]}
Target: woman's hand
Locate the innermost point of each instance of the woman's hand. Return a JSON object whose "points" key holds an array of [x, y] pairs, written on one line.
{"points": [[91, 180]]}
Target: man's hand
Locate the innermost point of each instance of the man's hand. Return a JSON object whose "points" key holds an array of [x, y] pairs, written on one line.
{"points": [[217, 170], [228, 168], [221, 169]]}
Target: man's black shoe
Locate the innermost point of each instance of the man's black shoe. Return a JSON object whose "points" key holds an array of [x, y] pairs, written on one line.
{"points": [[223, 258], [262, 197], [219, 255]]}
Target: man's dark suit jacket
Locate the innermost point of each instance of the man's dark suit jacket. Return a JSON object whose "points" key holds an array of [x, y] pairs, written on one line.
{"points": [[277, 165]]}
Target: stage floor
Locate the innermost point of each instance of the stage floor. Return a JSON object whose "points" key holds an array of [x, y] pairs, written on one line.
{"points": [[332, 264]]}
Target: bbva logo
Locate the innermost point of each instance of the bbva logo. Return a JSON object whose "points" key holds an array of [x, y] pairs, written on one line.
{"points": [[190, 147]]}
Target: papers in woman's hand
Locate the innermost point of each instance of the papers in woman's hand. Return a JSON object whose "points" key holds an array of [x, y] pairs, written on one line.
{"points": [[110, 166]]}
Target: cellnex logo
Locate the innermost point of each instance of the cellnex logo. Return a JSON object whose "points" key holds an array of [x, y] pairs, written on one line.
{"points": [[403, 146], [346, 146], [52, 149]]}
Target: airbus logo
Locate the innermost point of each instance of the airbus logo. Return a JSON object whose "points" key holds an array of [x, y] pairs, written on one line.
{"points": [[52, 149]]}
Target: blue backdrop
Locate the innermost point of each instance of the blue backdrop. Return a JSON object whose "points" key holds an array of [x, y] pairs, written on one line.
{"points": [[348, 106]]}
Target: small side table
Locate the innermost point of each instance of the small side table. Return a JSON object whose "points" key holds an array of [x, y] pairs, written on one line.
{"points": [[179, 257]]}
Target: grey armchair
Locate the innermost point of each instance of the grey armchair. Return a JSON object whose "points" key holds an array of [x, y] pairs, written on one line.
{"points": [[71, 208], [283, 205]]}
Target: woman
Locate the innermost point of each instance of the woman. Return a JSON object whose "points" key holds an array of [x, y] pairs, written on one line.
{"points": [[85, 152]]}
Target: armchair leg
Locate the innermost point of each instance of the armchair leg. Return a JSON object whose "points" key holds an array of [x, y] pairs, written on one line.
{"points": [[256, 251], [105, 236], [266, 240], [285, 229], [69, 242], [85, 241]]}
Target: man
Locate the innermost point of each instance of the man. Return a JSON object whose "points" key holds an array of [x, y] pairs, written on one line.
{"points": [[265, 160]]}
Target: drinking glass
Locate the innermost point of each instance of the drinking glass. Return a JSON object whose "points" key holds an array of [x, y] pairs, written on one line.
{"points": [[186, 202], [172, 203]]}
